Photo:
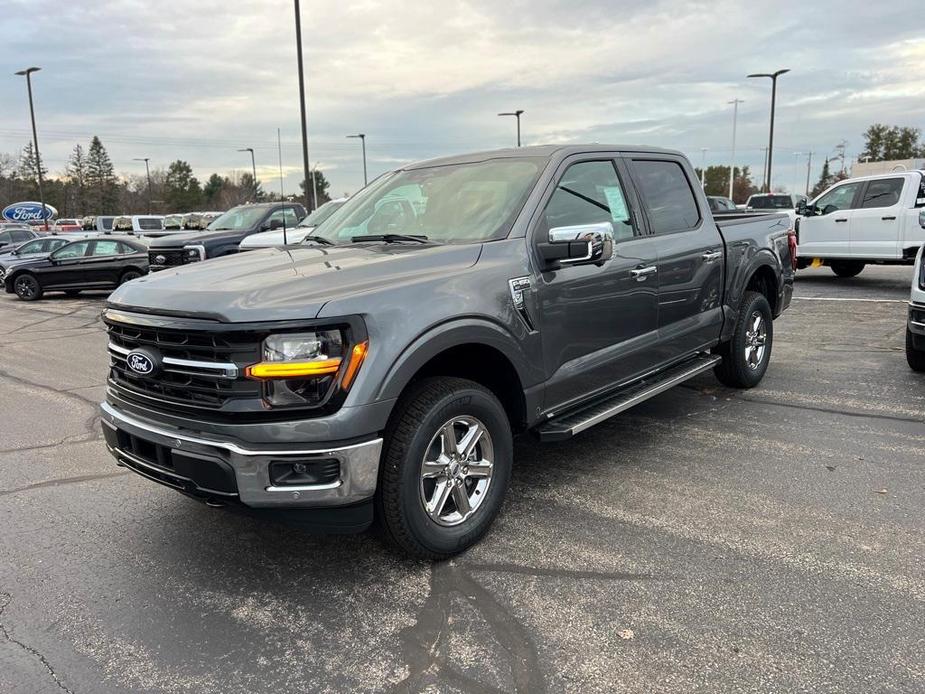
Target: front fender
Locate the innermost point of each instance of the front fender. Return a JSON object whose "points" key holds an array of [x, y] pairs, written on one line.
{"points": [[454, 333]]}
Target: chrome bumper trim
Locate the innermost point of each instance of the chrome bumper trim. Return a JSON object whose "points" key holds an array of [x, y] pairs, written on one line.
{"points": [[359, 464]]}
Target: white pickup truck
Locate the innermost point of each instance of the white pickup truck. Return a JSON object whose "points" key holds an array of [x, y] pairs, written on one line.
{"points": [[858, 221]]}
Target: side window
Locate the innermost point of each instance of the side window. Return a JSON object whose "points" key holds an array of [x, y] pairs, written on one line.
{"points": [[839, 198], [107, 248], [590, 193], [125, 249], [54, 244], [22, 235], [669, 200], [74, 250], [34, 247], [883, 193], [6, 236]]}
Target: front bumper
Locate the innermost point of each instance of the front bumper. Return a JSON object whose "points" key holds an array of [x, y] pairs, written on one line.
{"points": [[222, 470]]}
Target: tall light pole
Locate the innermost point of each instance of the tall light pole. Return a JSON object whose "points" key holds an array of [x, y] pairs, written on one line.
{"points": [[148, 175], [253, 168], [703, 167], [362, 137], [732, 164], [809, 166], [27, 73], [516, 115], [773, 76], [298, 40]]}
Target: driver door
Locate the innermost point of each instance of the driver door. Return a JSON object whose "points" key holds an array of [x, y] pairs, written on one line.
{"points": [[826, 234], [67, 265], [598, 322]]}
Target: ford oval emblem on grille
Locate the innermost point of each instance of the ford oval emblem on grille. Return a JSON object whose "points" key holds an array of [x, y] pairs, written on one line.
{"points": [[142, 362], [160, 260]]}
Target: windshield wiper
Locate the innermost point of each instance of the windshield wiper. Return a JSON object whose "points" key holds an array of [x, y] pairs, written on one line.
{"points": [[390, 238], [318, 239]]}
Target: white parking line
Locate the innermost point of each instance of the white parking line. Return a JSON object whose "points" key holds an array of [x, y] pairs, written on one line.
{"points": [[843, 298]]}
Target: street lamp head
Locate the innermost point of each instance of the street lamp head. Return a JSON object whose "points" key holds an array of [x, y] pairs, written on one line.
{"points": [[28, 71], [246, 149], [772, 75], [141, 158], [512, 113], [359, 135]]}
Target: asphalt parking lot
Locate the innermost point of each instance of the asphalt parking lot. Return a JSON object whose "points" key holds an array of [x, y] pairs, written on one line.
{"points": [[709, 540]]}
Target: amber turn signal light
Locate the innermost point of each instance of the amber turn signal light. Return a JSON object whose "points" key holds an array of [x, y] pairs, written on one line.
{"points": [[357, 355], [292, 369]]}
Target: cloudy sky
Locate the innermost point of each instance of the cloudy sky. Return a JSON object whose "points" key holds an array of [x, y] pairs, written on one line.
{"points": [[200, 78]]}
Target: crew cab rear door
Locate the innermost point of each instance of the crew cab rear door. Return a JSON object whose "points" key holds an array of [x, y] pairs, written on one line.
{"points": [[875, 226], [598, 321], [690, 256]]}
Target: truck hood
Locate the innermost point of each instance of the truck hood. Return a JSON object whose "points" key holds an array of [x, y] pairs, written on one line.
{"points": [[288, 283]]}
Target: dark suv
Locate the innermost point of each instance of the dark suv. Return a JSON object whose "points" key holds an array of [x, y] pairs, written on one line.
{"points": [[223, 235]]}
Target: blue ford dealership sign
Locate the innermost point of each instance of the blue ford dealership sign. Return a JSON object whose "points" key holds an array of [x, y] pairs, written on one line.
{"points": [[28, 212]]}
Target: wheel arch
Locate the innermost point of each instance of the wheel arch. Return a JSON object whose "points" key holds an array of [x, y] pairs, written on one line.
{"points": [[473, 349]]}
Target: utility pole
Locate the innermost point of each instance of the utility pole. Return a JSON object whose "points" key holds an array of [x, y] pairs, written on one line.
{"points": [[298, 40], [27, 73], [148, 174], [516, 115], [809, 165], [773, 76], [732, 164]]}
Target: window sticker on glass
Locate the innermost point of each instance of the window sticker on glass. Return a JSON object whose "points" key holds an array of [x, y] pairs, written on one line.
{"points": [[617, 204]]}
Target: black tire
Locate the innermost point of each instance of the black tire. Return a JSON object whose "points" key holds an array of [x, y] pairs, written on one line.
{"points": [[27, 287], [737, 370], [846, 268], [915, 357], [128, 276], [413, 432]]}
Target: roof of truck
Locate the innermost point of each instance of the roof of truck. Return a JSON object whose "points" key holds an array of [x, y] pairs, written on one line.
{"points": [[544, 151]]}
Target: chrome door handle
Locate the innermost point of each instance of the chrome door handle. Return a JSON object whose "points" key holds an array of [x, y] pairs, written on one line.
{"points": [[640, 274], [710, 256]]}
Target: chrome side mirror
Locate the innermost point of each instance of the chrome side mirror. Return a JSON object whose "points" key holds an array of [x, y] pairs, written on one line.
{"points": [[580, 244]]}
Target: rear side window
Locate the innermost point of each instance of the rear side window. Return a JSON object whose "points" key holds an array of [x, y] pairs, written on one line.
{"points": [[107, 248], [883, 193], [590, 193], [22, 235], [669, 200], [125, 248]]}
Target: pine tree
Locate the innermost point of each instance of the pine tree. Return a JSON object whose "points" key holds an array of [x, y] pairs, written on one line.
{"points": [[321, 185], [28, 169], [76, 175], [100, 179], [181, 188]]}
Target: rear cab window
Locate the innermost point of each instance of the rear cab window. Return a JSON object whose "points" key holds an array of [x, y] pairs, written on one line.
{"points": [[666, 191]]}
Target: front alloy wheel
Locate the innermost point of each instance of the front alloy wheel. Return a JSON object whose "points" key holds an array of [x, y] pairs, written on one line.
{"points": [[756, 340], [445, 467], [27, 287], [456, 471]]}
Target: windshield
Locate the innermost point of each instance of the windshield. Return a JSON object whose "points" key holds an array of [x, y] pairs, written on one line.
{"points": [[243, 217], [322, 213], [771, 202], [457, 203]]}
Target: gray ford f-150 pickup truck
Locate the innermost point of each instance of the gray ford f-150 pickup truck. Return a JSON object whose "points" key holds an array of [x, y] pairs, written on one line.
{"points": [[381, 369]]}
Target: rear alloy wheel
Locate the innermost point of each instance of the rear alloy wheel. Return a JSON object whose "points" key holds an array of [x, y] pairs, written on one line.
{"points": [[846, 268], [445, 467], [27, 287], [915, 357], [746, 355], [128, 276]]}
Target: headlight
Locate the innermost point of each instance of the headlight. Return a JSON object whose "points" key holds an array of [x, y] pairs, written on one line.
{"points": [[302, 368], [193, 254]]}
